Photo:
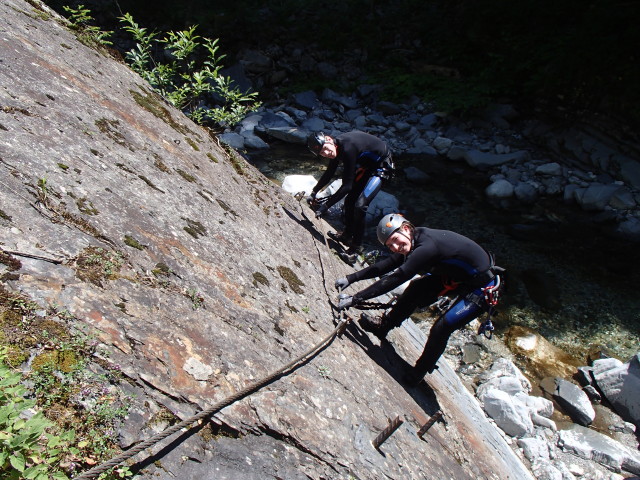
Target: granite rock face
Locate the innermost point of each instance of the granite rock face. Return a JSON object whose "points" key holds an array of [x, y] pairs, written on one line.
{"points": [[216, 278]]}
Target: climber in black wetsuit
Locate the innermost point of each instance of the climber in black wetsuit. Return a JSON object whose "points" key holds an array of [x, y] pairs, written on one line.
{"points": [[366, 163], [444, 260]]}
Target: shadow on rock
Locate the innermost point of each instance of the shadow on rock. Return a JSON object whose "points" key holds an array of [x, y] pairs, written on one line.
{"points": [[305, 223], [386, 357]]}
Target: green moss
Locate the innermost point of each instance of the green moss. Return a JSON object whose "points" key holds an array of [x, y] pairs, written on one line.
{"points": [[95, 265], [163, 416], [195, 229], [132, 242], [86, 206], [23, 111], [15, 355], [291, 278], [153, 103], [161, 166], [260, 278], [193, 144], [226, 207], [36, 14], [61, 360], [161, 269], [186, 176], [63, 166], [110, 129], [80, 223], [212, 158], [237, 164], [95, 152], [64, 45]]}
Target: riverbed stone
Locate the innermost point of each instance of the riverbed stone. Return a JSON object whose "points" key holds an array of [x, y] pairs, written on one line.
{"points": [[629, 170], [503, 367], [620, 384], [571, 399], [534, 448], [479, 159], [629, 229], [525, 192], [589, 444], [551, 169], [299, 183], [254, 142], [500, 189], [307, 99], [289, 134], [597, 196], [234, 140], [508, 415]]}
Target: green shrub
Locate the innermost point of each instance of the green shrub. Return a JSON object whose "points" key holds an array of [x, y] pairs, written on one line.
{"points": [[186, 79], [27, 449]]}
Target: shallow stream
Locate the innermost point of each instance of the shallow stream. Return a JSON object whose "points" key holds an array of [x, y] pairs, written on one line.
{"points": [[567, 280]]}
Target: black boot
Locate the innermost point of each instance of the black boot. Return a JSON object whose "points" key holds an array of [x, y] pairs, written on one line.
{"points": [[351, 256], [415, 375], [374, 325], [340, 238]]}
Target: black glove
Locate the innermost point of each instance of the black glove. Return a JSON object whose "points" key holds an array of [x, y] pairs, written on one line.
{"points": [[321, 211], [345, 302], [311, 199], [342, 283]]}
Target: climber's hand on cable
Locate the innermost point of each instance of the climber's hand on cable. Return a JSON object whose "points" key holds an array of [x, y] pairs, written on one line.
{"points": [[342, 283], [345, 302], [311, 199]]}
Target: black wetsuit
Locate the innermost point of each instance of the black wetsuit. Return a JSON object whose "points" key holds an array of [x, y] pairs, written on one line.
{"points": [[441, 257], [363, 157]]}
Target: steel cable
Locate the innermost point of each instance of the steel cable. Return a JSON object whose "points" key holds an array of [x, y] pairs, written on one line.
{"points": [[187, 423], [95, 471]]}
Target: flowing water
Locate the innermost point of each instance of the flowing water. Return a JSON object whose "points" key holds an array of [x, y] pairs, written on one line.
{"points": [[567, 280]]}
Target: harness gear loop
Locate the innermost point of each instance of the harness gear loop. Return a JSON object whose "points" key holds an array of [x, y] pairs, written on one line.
{"points": [[449, 285], [491, 297]]}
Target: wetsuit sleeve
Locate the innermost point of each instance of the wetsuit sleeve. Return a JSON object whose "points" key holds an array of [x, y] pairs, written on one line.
{"points": [[348, 178], [377, 269], [417, 261], [326, 176]]}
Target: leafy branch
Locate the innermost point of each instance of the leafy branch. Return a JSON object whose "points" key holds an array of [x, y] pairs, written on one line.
{"points": [[190, 76]]}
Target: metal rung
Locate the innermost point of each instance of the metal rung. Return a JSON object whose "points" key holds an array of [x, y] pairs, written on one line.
{"points": [[434, 418], [386, 433]]}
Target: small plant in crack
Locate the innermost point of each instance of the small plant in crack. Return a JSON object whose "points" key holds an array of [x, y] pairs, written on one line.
{"points": [[324, 371], [197, 300], [42, 192]]}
